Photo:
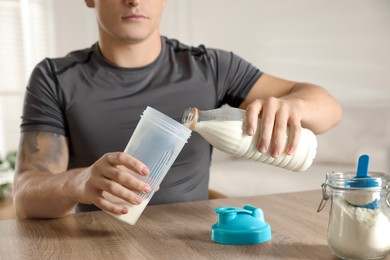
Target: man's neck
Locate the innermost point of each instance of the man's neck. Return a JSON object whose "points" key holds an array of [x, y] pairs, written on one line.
{"points": [[131, 54]]}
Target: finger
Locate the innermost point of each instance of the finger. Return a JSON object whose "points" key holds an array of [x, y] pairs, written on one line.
{"points": [[251, 117], [119, 191], [279, 133], [122, 176], [109, 206], [294, 134], [121, 158], [266, 128]]}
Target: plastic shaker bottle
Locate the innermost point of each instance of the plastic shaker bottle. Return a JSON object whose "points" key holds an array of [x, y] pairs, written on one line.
{"points": [[156, 141]]}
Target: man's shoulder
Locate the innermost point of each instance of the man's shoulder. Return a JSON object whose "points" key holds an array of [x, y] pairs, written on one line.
{"points": [[200, 52], [61, 64], [177, 46]]}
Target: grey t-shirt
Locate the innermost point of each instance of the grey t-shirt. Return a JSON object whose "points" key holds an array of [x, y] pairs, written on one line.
{"points": [[97, 105]]}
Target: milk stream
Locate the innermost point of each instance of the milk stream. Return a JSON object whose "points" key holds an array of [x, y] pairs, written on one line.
{"points": [[229, 137]]}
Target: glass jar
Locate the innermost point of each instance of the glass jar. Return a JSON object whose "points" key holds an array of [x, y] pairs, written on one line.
{"points": [[359, 218]]}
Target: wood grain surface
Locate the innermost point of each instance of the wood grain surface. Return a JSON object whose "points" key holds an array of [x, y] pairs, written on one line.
{"points": [[173, 231], [7, 209]]}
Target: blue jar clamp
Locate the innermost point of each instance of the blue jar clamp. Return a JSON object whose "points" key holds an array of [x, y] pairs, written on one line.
{"points": [[240, 226]]}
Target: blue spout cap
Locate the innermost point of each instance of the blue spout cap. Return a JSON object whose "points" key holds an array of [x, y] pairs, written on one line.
{"points": [[362, 178], [240, 226]]}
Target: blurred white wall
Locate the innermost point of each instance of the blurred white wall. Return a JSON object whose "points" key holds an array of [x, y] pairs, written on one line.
{"points": [[340, 44], [74, 26]]}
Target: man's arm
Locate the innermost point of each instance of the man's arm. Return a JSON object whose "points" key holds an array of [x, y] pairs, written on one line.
{"points": [[41, 158], [43, 188], [281, 103]]}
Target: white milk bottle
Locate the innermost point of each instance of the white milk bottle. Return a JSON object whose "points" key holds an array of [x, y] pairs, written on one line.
{"points": [[224, 129]]}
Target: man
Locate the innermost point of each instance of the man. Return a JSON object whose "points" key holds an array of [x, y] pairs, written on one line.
{"points": [[81, 110]]}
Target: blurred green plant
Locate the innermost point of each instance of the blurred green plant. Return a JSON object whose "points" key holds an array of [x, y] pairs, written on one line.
{"points": [[11, 158], [7, 166]]}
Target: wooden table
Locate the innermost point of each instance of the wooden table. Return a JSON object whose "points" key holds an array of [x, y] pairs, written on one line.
{"points": [[174, 231], [7, 209]]}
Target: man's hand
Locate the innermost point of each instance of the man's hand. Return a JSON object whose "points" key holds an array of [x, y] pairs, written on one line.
{"points": [[111, 174], [284, 107], [279, 117], [44, 188]]}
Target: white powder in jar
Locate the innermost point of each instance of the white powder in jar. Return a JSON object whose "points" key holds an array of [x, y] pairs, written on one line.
{"points": [[358, 233]]}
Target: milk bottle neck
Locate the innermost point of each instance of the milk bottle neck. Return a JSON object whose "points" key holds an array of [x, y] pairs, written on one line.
{"points": [[193, 115], [190, 117]]}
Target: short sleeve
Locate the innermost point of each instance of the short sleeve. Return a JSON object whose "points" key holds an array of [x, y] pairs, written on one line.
{"points": [[234, 77], [42, 109]]}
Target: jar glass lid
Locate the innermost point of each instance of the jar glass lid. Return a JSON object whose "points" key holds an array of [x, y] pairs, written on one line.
{"points": [[348, 180]]}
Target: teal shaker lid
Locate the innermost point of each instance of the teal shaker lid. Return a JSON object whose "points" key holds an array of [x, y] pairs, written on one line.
{"points": [[240, 226]]}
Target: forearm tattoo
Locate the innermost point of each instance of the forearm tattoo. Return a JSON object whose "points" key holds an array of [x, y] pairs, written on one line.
{"points": [[40, 151]]}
